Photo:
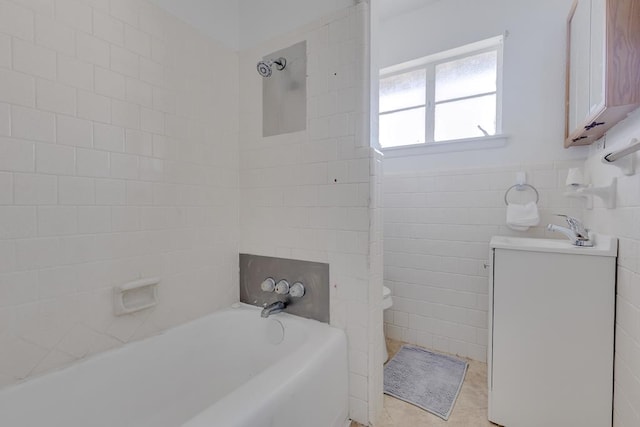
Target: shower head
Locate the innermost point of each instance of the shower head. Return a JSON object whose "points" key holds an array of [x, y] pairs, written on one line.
{"points": [[264, 67]]}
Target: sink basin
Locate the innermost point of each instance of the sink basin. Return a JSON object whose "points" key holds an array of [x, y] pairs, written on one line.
{"points": [[603, 245]]}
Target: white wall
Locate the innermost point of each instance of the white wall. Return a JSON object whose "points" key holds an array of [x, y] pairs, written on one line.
{"points": [[436, 240], [118, 160], [306, 195], [624, 223], [534, 64], [391, 8]]}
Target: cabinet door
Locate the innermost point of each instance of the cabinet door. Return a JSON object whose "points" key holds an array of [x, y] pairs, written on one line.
{"points": [[552, 339], [579, 68], [597, 55], [603, 67]]}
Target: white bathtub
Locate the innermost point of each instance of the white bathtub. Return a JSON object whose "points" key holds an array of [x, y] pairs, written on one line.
{"points": [[227, 369]]}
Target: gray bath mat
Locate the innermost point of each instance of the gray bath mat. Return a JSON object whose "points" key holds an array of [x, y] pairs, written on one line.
{"points": [[427, 380]]}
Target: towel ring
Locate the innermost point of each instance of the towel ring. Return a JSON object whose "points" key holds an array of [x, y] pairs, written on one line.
{"points": [[520, 187]]}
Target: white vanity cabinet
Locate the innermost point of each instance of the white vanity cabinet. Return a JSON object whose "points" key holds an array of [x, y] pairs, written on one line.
{"points": [[603, 67], [551, 332]]}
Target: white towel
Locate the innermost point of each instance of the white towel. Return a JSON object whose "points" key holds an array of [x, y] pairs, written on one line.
{"points": [[521, 217]]}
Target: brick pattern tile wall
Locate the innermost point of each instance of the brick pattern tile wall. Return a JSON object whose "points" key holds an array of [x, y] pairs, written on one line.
{"points": [[437, 227], [305, 195], [376, 279], [118, 160], [623, 222]]}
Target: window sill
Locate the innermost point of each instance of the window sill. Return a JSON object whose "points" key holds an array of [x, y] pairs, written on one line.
{"points": [[467, 144]]}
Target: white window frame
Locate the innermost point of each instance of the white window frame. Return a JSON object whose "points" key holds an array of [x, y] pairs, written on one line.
{"points": [[429, 63]]}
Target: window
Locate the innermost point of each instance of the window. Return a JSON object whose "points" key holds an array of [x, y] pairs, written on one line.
{"points": [[445, 97]]}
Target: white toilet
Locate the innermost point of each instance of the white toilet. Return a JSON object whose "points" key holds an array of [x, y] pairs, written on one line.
{"points": [[387, 302]]}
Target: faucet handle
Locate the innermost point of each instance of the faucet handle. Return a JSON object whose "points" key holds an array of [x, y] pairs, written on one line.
{"points": [[576, 226], [268, 285], [297, 290], [282, 287]]}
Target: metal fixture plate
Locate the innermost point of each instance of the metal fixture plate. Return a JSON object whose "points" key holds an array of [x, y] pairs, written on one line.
{"points": [[314, 275], [284, 93]]}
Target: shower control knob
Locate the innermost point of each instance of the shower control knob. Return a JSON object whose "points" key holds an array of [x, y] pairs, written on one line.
{"points": [[282, 287], [297, 290], [268, 285]]}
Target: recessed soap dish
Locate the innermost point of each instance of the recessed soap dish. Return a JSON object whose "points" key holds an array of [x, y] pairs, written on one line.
{"points": [[135, 296]]}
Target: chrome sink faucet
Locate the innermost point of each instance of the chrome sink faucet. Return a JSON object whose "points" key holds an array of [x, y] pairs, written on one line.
{"points": [[273, 308], [576, 232]]}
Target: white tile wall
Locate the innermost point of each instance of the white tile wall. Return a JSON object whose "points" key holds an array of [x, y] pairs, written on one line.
{"points": [[53, 35], [622, 222], [119, 159], [34, 60], [437, 227], [376, 278], [16, 155], [305, 195], [16, 21], [99, 186], [32, 125], [17, 88], [55, 97]]}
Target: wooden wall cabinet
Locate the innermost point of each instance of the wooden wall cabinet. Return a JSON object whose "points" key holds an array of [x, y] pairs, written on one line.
{"points": [[603, 67]]}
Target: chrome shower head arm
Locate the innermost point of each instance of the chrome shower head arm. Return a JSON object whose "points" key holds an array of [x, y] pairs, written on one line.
{"points": [[281, 63]]}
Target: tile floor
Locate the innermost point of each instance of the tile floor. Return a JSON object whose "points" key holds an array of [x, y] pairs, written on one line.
{"points": [[470, 409]]}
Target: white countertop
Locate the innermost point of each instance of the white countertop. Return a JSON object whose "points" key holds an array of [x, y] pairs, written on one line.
{"points": [[603, 245]]}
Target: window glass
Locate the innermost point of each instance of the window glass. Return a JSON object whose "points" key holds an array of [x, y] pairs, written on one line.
{"points": [[465, 118], [402, 128], [467, 76], [448, 96], [402, 90]]}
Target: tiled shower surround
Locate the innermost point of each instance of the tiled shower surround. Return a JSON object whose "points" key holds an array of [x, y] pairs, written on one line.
{"points": [[437, 227], [130, 146], [306, 195], [118, 161]]}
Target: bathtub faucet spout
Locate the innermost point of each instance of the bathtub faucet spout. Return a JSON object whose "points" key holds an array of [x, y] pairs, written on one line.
{"points": [[273, 308]]}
